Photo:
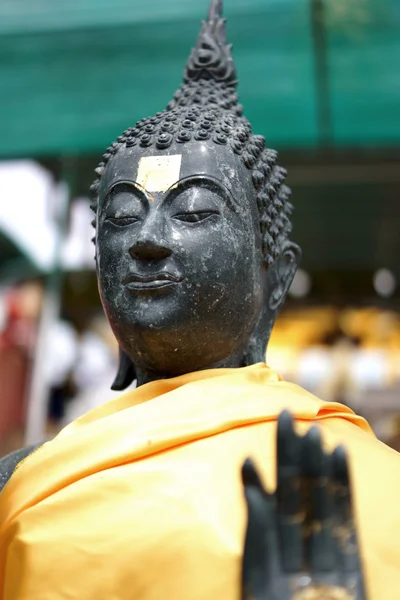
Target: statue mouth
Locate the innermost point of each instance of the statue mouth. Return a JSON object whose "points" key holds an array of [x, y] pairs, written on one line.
{"points": [[156, 281]]}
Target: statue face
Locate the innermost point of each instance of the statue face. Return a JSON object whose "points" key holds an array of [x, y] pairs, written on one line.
{"points": [[178, 256]]}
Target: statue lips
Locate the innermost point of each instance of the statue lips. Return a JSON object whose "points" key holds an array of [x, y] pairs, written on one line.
{"points": [[156, 281]]}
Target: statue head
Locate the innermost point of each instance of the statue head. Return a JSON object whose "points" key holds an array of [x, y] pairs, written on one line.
{"points": [[192, 226]]}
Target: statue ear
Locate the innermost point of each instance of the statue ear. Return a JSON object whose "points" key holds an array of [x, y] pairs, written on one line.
{"points": [[281, 274], [126, 372]]}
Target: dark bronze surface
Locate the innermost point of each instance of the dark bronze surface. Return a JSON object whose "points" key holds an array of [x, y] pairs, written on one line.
{"points": [[192, 274]]}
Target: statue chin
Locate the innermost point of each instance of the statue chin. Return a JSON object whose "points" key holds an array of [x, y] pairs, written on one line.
{"points": [[175, 348]]}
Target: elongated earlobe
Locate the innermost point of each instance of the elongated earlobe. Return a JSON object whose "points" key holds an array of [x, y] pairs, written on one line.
{"points": [[283, 271], [126, 373]]}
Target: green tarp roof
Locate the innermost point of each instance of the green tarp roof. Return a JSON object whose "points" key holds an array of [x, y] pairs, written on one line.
{"points": [[74, 74]]}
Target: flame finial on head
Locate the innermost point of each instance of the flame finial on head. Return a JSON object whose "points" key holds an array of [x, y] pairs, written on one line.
{"points": [[210, 77], [211, 58]]}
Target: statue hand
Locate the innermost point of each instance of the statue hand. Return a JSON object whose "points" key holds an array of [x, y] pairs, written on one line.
{"points": [[301, 541]]}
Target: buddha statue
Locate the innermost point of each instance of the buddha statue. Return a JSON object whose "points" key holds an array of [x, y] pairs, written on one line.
{"points": [[168, 490], [192, 228]]}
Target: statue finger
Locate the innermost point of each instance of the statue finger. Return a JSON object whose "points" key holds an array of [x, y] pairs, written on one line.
{"points": [[345, 527], [288, 495], [250, 476], [255, 548], [345, 533], [318, 525]]}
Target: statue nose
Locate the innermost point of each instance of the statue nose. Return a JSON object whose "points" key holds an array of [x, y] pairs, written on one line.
{"points": [[150, 243], [148, 248]]}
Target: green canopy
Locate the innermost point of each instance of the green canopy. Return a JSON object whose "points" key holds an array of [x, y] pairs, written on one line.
{"points": [[74, 74]]}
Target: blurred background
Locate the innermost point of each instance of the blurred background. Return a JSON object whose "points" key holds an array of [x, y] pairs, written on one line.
{"points": [[319, 78]]}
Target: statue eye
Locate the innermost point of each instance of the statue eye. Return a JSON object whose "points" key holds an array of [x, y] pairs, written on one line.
{"points": [[122, 221], [195, 217]]}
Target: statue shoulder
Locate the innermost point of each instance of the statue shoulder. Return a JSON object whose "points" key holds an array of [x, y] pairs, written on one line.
{"points": [[9, 462]]}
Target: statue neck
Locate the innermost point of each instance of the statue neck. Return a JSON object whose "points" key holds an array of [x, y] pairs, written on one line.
{"points": [[146, 376]]}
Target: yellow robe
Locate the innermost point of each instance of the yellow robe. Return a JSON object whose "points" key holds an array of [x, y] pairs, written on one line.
{"points": [[141, 499]]}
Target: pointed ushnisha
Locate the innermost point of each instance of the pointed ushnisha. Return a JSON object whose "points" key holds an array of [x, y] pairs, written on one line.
{"points": [[206, 107], [210, 76], [211, 58]]}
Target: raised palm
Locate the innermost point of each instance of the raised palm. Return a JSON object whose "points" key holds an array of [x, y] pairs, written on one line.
{"points": [[301, 541]]}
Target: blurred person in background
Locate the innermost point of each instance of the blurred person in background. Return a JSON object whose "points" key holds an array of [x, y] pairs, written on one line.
{"points": [[22, 305], [61, 359], [94, 368]]}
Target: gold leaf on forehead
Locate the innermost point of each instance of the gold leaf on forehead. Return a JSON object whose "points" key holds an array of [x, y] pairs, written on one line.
{"points": [[158, 173]]}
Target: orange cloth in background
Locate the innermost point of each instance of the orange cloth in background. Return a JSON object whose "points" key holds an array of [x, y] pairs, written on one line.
{"points": [[141, 499]]}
